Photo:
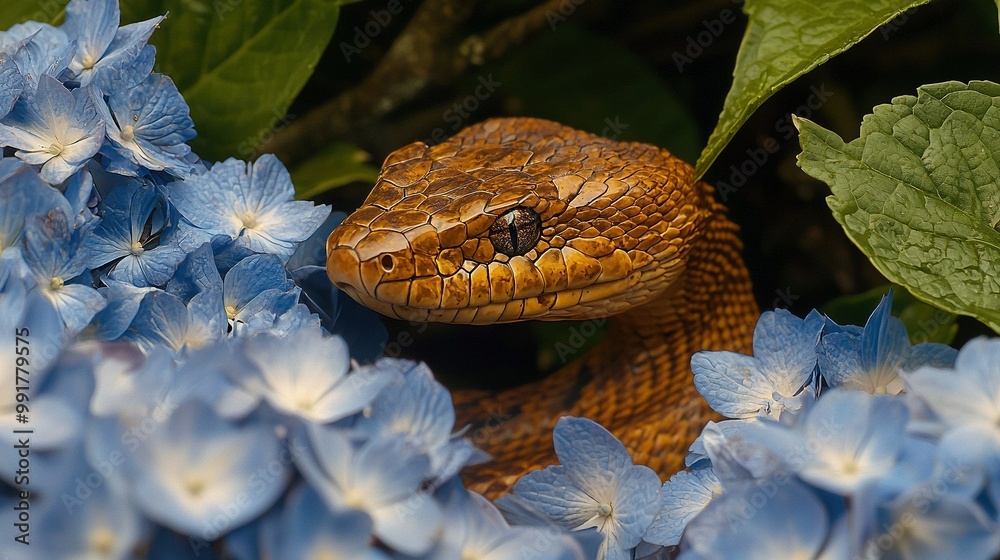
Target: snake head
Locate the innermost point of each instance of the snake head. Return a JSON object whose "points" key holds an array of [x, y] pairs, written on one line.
{"points": [[516, 219]]}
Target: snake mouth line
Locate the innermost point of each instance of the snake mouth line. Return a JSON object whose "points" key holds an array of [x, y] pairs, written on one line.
{"points": [[596, 300]]}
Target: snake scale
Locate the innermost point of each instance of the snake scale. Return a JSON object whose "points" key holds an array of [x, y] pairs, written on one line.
{"points": [[521, 218]]}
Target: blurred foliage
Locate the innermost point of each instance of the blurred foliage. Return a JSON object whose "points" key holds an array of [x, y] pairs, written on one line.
{"points": [[238, 63], [13, 12]]}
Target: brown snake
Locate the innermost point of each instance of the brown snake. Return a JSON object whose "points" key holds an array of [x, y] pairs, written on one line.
{"points": [[520, 218]]}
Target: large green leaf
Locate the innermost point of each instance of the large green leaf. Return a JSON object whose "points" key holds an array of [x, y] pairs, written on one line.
{"points": [[46, 11], [238, 63], [784, 40], [919, 192]]}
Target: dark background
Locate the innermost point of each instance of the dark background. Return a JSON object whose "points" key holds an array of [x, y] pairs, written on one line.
{"points": [[640, 67]]}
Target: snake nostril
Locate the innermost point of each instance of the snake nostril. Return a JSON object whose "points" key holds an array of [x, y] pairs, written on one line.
{"points": [[387, 263]]}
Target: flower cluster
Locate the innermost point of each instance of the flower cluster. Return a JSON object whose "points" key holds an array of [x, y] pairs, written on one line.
{"points": [[179, 390], [843, 442]]}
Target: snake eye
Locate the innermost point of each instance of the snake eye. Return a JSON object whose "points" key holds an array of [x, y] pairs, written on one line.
{"points": [[516, 231]]}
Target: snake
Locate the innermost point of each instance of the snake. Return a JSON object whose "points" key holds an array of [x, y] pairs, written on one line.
{"points": [[520, 218]]}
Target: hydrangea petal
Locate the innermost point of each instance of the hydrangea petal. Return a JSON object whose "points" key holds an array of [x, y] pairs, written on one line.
{"points": [[307, 528], [570, 507], [682, 497], [733, 384], [785, 346], [188, 470], [592, 450], [726, 530]]}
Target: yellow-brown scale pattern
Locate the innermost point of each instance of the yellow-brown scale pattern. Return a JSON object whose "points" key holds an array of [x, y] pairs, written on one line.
{"points": [[626, 232]]}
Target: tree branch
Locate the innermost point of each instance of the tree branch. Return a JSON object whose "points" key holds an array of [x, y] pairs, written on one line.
{"points": [[425, 54]]}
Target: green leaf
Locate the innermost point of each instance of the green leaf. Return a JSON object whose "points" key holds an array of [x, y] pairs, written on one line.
{"points": [[47, 11], [919, 192], [924, 323], [784, 40], [238, 63], [335, 165], [589, 82]]}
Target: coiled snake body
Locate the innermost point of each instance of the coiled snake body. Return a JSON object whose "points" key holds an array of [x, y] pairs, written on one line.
{"points": [[519, 218]]}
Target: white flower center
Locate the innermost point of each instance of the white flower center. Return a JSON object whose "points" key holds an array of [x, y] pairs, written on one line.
{"points": [[249, 220], [56, 284], [102, 541], [128, 133], [55, 148], [605, 509], [136, 248], [195, 486], [231, 311], [305, 403], [354, 499], [88, 62]]}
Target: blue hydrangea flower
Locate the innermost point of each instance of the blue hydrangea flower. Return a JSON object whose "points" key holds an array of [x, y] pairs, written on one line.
{"points": [[256, 292], [148, 124], [963, 403], [846, 439], [186, 472], [38, 50], [420, 409], [55, 256], [596, 485], [382, 477], [23, 193], [125, 379], [22, 308], [11, 83], [123, 301], [249, 202], [80, 194], [307, 528], [759, 519], [91, 520], [163, 319], [57, 416], [475, 529], [925, 524], [718, 445], [198, 321], [681, 498], [128, 236], [778, 377], [55, 128], [870, 359], [102, 48], [306, 375]]}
